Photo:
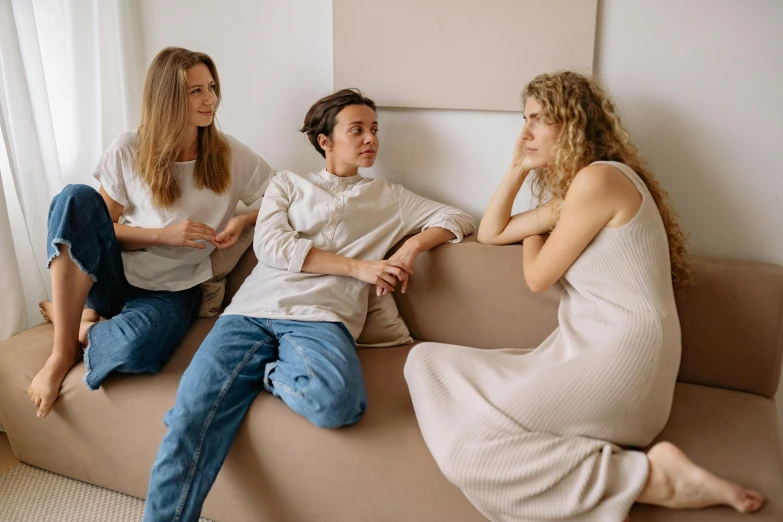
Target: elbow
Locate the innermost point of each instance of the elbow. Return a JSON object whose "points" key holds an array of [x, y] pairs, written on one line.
{"points": [[486, 238], [535, 283]]}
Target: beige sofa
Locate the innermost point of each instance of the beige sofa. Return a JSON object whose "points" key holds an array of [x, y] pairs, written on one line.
{"points": [[282, 469]]}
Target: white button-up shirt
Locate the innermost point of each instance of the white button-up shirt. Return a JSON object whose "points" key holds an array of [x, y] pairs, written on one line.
{"points": [[356, 217]]}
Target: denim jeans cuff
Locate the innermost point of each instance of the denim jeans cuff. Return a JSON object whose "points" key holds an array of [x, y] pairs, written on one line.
{"points": [[267, 370], [87, 366], [56, 252]]}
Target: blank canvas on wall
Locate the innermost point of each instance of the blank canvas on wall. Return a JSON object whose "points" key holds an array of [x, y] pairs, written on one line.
{"points": [[457, 54]]}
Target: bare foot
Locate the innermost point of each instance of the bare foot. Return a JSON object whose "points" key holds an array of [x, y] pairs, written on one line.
{"points": [[84, 327], [88, 314], [676, 482], [45, 388]]}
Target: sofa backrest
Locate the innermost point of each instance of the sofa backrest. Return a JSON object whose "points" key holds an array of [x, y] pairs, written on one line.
{"points": [[475, 295]]}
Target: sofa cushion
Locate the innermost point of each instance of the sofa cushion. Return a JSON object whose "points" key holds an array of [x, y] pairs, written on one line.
{"points": [[223, 262], [384, 326]]}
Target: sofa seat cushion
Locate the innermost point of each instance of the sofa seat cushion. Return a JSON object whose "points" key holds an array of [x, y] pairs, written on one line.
{"points": [[283, 469]]}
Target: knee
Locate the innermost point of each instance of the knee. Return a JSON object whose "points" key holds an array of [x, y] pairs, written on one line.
{"points": [[76, 196], [416, 364], [336, 406]]}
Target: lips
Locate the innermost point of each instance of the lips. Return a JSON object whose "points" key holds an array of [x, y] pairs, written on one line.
{"points": [[206, 113], [369, 152]]}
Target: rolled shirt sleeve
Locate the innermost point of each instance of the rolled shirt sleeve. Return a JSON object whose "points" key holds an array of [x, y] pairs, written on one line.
{"points": [[420, 213], [276, 243]]}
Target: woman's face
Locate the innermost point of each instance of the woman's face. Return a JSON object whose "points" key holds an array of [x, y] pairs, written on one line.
{"points": [[354, 141], [201, 95], [540, 137]]}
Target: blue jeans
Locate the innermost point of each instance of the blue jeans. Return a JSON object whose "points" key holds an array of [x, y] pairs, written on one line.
{"points": [[144, 326], [312, 366]]}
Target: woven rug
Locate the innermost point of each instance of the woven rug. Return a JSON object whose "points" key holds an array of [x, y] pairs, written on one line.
{"points": [[29, 494]]}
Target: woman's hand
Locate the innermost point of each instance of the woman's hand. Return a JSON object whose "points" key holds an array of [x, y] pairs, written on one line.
{"points": [[520, 159], [186, 234], [229, 236], [406, 257], [384, 274]]}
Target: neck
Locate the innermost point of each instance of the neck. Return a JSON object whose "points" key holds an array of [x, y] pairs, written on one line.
{"points": [[189, 149], [340, 169]]}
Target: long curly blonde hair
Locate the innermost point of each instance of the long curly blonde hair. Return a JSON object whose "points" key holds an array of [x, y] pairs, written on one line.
{"points": [[592, 131]]}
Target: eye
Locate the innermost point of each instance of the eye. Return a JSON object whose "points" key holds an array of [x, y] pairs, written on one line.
{"points": [[195, 91], [375, 130], [356, 130], [212, 87]]}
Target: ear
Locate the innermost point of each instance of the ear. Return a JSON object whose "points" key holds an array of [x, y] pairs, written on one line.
{"points": [[324, 142]]}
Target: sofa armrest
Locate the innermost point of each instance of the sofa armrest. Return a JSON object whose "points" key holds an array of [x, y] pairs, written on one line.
{"points": [[732, 325]]}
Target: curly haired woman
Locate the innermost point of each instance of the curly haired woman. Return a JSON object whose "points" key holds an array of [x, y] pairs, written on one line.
{"points": [[545, 434]]}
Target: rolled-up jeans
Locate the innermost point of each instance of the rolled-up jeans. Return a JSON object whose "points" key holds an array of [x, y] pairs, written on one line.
{"points": [[143, 327]]}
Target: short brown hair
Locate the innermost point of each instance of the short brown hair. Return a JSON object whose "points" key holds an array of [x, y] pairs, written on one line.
{"points": [[322, 116]]}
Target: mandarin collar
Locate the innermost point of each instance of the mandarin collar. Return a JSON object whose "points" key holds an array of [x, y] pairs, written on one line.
{"points": [[339, 180]]}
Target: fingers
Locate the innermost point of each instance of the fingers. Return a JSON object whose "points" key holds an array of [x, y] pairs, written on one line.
{"points": [[387, 278], [382, 288], [194, 244], [205, 237], [400, 265], [200, 227]]}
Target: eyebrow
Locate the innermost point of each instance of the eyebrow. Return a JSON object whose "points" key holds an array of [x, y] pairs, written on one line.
{"points": [[534, 115], [360, 122], [200, 85]]}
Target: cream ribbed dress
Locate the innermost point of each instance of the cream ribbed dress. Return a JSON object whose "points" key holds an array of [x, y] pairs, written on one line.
{"points": [[537, 435]]}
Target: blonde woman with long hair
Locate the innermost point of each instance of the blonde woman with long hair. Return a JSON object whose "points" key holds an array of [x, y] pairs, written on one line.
{"points": [[540, 435], [136, 250]]}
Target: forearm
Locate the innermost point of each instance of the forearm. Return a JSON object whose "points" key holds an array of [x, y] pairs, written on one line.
{"points": [[498, 212], [322, 262], [135, 238], [249, 218], [431, 237]]}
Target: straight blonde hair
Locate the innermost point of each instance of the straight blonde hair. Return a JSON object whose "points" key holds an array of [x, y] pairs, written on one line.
{"points": [[164, 120]]}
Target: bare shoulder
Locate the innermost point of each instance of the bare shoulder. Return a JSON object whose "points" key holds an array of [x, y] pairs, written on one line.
{"points": [[600, 180]]}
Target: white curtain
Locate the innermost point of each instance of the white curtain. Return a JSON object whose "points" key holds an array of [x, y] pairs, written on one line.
{"points": [[71, 76]]}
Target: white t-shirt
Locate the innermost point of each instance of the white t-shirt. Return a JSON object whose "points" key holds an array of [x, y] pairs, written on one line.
{"points": [[176, 268]]}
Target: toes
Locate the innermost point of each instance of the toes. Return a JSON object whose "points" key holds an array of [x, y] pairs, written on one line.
{"points": [[44, 409], [753, 501], [747, 501], [37, 401]]}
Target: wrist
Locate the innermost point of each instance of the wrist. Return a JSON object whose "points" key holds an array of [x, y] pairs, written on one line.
{"points": [[158, 237], [248, 220], [353, 267], [519, 169], [413, 245]]}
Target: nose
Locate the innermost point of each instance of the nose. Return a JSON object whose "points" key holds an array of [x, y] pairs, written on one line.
{"points": [[370, 138], [526, 134]]}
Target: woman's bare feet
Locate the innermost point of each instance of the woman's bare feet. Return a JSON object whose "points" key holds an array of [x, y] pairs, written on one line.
{"points": [[45, 388], [676, 482], [88, 314]]}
